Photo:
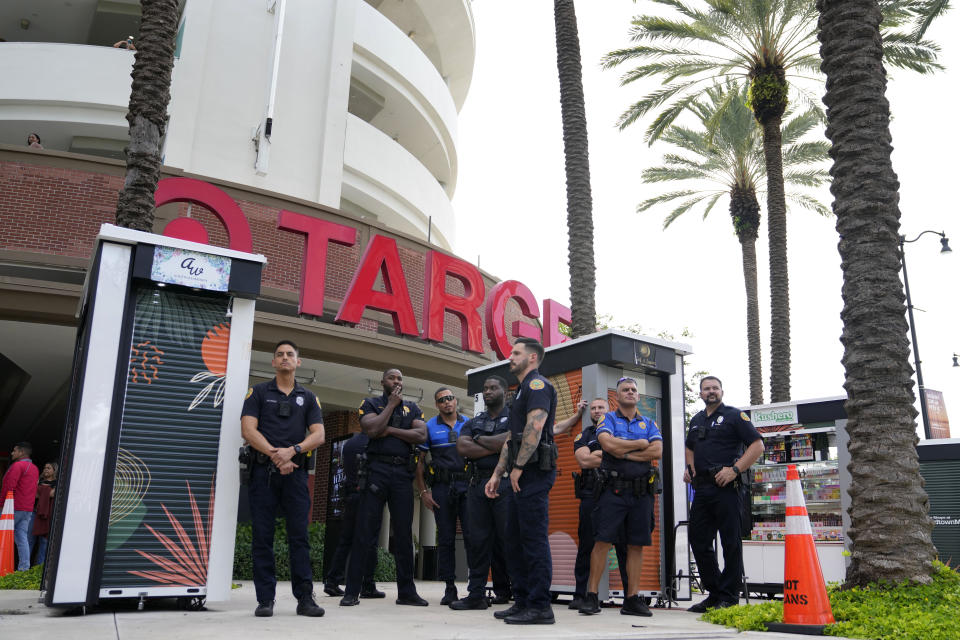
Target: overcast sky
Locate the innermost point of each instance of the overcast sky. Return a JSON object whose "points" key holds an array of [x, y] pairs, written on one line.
{"points": [[511, 207]]}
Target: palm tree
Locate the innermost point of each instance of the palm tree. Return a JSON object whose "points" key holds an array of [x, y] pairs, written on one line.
{"points": [[765, 42], [147, 114], [725, 157], [889, 523], [577, 162]]}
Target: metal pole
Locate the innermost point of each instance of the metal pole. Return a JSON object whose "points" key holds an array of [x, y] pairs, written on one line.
{"points": [[913, 340]]}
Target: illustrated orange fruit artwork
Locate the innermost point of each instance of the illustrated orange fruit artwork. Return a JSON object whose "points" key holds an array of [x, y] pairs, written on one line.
{"points": [[213, 349]]}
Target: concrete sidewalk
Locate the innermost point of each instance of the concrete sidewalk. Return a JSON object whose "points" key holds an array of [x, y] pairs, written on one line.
{"points": [[22, 617]]}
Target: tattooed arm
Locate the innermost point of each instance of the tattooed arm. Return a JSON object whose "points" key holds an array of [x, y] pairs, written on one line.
{"points": [[528, 445], [492, 489]]}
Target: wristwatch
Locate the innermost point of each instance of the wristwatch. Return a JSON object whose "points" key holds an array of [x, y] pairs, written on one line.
{"points": [[297, 448], [735, 468], [517, 466]]}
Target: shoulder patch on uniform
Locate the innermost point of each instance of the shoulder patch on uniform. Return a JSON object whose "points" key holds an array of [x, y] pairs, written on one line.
{"points": [[406, 409], [319, 406], [602, 419], [249, 393], [744, 416], [577, 439], [536, 385]]}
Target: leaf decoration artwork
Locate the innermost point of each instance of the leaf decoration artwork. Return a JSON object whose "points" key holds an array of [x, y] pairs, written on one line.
{"points": [[145, 362], [130, 484], [188, 557], [213, 350]]}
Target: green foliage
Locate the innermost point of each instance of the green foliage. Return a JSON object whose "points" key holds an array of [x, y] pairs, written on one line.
{"points": [[28, 580], [243, 563], [907, 611], [767, 94]]}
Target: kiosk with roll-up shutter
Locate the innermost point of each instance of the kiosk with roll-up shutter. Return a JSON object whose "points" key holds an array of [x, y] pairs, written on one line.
{"points": [[587, 368], [147, 495]]}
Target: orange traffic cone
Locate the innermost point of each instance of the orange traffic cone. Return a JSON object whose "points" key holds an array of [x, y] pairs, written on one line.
{"points": [[806, 608], [6, 536]]}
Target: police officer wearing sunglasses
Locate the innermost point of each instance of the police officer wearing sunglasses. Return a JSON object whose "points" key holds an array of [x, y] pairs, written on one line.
{"points": [[442, 485], [282, 422]]}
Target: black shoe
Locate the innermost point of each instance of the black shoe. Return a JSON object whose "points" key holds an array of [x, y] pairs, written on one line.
{"points": [[590, 604], [349, 601], [635, 606], [264, 609], [532, 616], [450, 595], [701, 607], [723, 604], [307, 606], [511, 611], [332, 589], [371, 593], [469, 603], [576, 603], [413, 601], [500, 598]]}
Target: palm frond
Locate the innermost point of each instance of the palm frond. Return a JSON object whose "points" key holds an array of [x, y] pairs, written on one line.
{"points": [[807, 177], [806, 153], [900, 51], [663, 197]]}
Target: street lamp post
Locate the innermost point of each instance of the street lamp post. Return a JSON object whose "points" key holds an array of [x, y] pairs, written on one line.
{"points": [[944, 248]]}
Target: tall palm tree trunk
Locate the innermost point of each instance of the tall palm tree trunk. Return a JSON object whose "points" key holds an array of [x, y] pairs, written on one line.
{"points": [[890, 527], [745, 211], [147, 114], [577, 162], [779, 280]]}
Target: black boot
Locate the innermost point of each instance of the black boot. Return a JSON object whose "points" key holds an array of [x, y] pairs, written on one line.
{"points": [[591, 604], [264, 609], [635, 606], [307, 606], [450, 594]]}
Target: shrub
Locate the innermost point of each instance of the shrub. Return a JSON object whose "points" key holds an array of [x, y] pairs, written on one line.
{"points": [[243, 563], [905, 611], [28, 580]]}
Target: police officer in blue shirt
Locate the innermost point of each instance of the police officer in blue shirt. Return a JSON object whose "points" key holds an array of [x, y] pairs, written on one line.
{"points": [[715, 440], [351, 453], [481, 440], [443, 485], [589, 455], [630, 442], [282, 422], [395, 427], [529, 456]]}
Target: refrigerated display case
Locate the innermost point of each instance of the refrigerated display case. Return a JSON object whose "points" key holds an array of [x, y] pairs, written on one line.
{"points": [[805, 435]]}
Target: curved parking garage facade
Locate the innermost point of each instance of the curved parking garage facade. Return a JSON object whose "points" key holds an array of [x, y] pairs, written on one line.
{"points": [[356, 176]]}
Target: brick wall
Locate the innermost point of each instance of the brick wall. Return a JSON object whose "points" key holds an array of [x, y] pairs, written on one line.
{"points": [[336, 424]]}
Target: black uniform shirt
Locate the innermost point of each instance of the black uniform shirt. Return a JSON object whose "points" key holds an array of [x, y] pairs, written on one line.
{"points": [[727, 431], [403, 416], [265, 402], [351, 451], [587, 438], [535, 392], [484, 425]]}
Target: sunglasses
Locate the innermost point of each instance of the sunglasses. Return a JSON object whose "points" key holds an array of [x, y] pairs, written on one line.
{"points": [[445, 399], [625, 379]]}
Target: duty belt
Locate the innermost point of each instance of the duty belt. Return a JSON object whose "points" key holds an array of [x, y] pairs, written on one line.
{"points": [[478, 475], [448, 476], [395, 460], [648, 483]]}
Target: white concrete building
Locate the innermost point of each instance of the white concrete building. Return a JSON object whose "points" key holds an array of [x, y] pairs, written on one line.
{"points": [[360, 96]]}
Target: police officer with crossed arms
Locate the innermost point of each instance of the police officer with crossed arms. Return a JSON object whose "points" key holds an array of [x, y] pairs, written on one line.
{"points": [[715, 440], [630, 442], [281, 421]]}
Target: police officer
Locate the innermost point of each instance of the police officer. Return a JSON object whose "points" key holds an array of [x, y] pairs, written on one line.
{"points": [[586, 450], [351, 453], [481, 440], [394, 426], [276, 416], [443, 489], [629, 442], [529, 456], [715, 440]]}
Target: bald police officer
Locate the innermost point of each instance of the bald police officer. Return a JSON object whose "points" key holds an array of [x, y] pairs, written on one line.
{"points": [[721, 444], [282, 422]]}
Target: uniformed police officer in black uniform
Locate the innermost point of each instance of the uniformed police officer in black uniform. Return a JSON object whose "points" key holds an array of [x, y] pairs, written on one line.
{"points": [[625, 507], [715, 440], [395, 427], [351, 453], [586, 450], [442, 485], [480, 442], [282, 422], [532, 473]]}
